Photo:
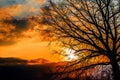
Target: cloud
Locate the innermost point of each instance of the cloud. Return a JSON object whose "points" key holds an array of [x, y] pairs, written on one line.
{"points": [[21, 21], [20, 24], [21, 32], [31, 7], [22, 8], [6, 37], [12, 29]]}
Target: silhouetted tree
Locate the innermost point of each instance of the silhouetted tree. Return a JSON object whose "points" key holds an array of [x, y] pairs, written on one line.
{"points": [[91, 28]]}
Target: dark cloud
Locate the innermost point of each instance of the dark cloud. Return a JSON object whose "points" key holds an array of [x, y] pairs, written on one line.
{"points": [[20, 24], [14, 29], [15, 25], [7, 39], [6, 43], [11, 30]]}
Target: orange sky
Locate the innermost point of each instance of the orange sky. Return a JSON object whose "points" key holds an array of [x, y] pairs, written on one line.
{"points": [[21, 34], [20, 39], [29, 49]]}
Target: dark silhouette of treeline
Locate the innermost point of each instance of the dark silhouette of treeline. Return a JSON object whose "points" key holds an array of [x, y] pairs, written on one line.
{"points": [[18, 69]]}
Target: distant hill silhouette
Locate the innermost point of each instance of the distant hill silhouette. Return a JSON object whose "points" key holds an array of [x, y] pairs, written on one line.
{"points": [[12, 60], [39, 61]]}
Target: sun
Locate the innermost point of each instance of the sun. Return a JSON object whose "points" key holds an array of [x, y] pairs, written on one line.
{"points": [[70, 54]]}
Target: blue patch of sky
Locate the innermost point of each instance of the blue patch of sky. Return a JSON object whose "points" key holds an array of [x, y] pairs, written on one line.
{"points": [[11, 2], [25, 7]]}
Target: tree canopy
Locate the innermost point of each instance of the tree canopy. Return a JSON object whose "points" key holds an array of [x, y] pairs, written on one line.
{"points": [[91, 28]]}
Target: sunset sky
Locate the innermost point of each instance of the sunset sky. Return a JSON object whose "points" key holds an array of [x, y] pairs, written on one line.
{"points": [[18, 35]]}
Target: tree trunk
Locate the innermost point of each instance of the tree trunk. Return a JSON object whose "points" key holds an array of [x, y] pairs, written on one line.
{"points": [[115, 69]]}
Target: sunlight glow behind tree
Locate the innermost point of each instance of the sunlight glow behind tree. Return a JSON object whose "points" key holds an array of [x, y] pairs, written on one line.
{"points": [[70, 55], [91, 28]]}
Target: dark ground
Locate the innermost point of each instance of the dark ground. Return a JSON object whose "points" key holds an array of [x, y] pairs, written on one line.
{"points": [[24, 72]]}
